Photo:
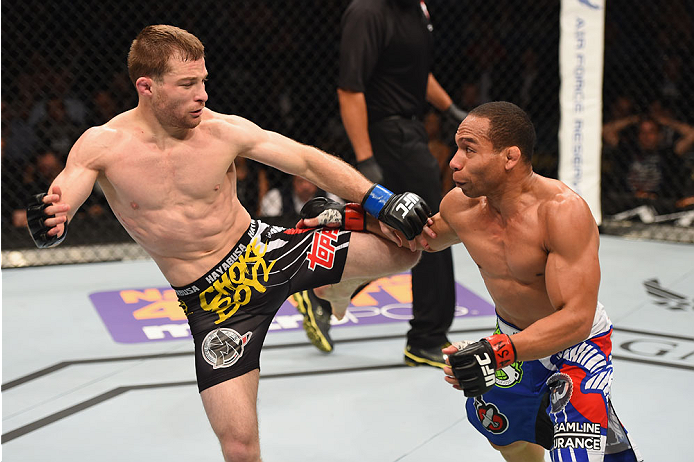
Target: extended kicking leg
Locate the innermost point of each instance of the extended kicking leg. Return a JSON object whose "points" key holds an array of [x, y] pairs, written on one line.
{"points": [[369, 257]]}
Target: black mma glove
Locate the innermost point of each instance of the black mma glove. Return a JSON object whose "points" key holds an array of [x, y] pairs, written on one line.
{"points": [[370, 169], [474, 363], [351, 217], [406, 212], [36, 223]]}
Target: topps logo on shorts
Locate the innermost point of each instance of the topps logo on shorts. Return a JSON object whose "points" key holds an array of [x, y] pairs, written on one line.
{"points": [[322, 249], [583, 435]]}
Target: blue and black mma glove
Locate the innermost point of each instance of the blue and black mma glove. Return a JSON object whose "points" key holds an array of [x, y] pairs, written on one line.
{"points": [[406, 212], [36, 222], [474, 364]]}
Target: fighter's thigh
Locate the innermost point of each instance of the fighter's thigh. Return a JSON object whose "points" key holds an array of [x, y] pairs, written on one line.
{"points": [[371, 256], [231, 407]]}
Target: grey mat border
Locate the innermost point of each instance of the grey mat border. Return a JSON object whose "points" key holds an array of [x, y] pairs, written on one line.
{"points": [[61, 365], [36, 425], [21, 431]]}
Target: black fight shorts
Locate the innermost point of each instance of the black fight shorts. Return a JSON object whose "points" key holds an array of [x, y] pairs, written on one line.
{"points": [[231, 307]]}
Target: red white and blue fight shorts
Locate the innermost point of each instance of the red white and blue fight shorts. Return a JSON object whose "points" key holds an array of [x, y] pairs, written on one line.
{"points": [[230, 308], [561, 402]]}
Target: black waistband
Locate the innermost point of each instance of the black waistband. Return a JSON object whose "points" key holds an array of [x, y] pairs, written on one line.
{"points": [[205, 281]]}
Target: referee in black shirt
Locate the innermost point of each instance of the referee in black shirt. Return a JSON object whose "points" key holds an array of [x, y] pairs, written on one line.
{"points": [[384, 85]]}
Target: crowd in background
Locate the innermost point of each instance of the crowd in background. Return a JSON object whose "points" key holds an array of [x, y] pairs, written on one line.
{"points": [[275, 63]]}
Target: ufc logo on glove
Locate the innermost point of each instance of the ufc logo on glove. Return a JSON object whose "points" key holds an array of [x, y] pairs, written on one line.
{"points": [[488, 372], [408, 201], [384, 205]]}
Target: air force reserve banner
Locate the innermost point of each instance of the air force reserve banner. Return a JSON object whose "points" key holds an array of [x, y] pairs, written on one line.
{"points": [[581, 51]]}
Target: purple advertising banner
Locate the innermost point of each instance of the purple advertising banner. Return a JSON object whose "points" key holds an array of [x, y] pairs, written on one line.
{"points": [[153, 314]]}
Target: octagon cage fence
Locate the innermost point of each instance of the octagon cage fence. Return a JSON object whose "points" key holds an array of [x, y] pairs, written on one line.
{"points": [[275, 62]]}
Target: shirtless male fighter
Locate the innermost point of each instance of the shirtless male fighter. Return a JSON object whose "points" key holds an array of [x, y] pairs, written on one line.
{"points": [[167, 170], [542, 380]]}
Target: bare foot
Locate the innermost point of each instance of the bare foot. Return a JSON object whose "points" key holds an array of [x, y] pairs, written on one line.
{"points": [[339, 296]]}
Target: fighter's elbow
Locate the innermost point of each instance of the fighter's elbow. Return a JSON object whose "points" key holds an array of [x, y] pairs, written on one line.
{"points": [[583, 328]]}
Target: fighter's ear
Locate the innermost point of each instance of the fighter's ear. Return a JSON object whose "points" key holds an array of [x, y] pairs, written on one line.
{"points": [[144, 86], [513, 156]]}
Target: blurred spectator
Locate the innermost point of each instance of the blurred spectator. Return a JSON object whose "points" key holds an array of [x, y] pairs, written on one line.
{"points": [[441, 150], [646, 168], [122, 89], [56, 130], [41, 172], [75, 109], [470, 96], [662, 114], [680, 136], [530, 91], [621, 107], [96, 205], [104, 107], [672, 80], [281, 206], [486, 53], [467, 97], [12, 199], [37, 177], [19, 139], [18, 144]]}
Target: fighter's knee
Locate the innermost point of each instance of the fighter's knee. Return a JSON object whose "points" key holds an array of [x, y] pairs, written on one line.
{"points": [[515, 447], [236, 450], [521, 450], [408, 258]]}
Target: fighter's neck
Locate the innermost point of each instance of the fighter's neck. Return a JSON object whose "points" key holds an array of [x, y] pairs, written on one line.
{"points": [[514, 196], [158, 132]]}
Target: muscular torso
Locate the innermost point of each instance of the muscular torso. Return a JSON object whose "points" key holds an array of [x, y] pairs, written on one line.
{"points": [[176, 198], [511, 252]]}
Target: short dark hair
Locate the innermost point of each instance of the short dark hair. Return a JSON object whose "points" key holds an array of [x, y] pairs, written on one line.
{"points": [[153, 47], [509, 126]]}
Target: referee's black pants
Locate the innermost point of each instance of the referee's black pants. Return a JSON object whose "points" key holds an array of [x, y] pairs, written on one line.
{"points": [[400, 146]]}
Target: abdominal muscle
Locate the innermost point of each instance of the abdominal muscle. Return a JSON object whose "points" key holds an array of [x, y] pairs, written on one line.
{"points": [[187, 240], [517, 303]]}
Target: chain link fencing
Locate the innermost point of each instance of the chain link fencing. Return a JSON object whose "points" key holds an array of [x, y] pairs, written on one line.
{"points": [[275, 63]]}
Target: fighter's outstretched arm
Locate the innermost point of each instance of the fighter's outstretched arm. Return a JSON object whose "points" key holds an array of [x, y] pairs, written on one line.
{"points": [[48, 213], [326, 171], [405, 212]]}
